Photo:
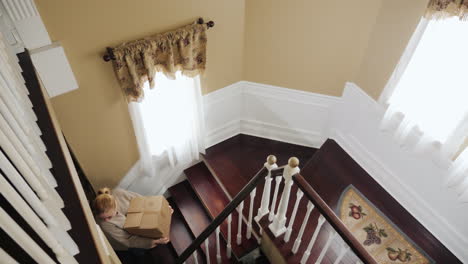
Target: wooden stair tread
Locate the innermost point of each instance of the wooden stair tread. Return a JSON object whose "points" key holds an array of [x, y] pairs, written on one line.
{"points": [[197, 219], [161, 254], [236, 160], [215, 200], [181, 236]]}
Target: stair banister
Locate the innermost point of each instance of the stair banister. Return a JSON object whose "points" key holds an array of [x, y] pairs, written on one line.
{"points": [[298, 241], [207, 250], [236, 201], [229, 248], [331, 237], [218, 249], [343, 251], [299, 195], [239, 223], [333, 220], [251, 205], [278, 227], [270, 164], [271, 216]]}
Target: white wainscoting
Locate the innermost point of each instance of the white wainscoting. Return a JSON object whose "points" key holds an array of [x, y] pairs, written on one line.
{"points": [[254, 109], [414, 180], [267, 111], [222, 113], [353, 121]]}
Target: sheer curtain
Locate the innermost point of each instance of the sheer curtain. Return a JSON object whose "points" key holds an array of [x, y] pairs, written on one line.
{"points": [[169, 127], [427, 97]]}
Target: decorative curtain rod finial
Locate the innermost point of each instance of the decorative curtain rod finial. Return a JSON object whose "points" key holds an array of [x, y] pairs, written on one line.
{"points": [[109, 55], [209, 24]]}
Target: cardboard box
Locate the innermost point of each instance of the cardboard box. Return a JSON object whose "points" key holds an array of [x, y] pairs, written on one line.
{"points": [[149, 217]]}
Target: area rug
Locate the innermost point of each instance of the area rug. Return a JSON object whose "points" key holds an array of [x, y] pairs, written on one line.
{"points": [[381, 237]]}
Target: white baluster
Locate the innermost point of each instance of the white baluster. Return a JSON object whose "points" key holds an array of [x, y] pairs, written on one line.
{"points": [[265, 204], [207, 250], [298, 241], [195, 257], [218, 250], [23, 239], [278, 227], [271, 216], [23, 168], [7, 259], [299, 195], [331, 236], [45, 212], [314, 238], [57, 246], [343, 251], [249, 224], [229, 248], [239, 223]]}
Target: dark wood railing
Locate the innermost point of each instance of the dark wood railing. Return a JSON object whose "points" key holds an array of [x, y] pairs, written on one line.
{"points": [[311, 195], [252, 184], [333, 219]]}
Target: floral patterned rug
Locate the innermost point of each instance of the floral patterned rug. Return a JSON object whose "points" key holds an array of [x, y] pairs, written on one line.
{"points": [[382, 238]]}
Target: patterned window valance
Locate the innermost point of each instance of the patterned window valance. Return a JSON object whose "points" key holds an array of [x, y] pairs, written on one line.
{"points": [[440, 9], [136, 62]]}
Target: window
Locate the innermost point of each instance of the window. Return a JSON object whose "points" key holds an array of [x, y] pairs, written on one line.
{"points": [[166, 112], [169, 125], [432, 90]]}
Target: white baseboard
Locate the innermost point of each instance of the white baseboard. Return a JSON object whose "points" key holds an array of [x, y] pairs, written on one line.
{"points": [[267, 111], [222, 133], [281, 133]]}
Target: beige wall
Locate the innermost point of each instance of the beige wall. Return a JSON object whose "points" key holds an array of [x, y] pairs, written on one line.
{"points": [[319, 45], [395, 24], [307, 45], [95, 118]]}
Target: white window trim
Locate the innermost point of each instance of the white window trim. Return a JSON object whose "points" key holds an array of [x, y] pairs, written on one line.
{"points": [[403, 63]]}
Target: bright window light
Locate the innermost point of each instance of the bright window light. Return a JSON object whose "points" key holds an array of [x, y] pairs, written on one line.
{"points": [[433, 90], [166, 112]]}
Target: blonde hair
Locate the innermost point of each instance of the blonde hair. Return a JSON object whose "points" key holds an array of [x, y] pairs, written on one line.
{"points": [[104, 201]]}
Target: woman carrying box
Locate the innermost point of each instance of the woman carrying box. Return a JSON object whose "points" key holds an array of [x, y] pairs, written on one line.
{"points": [[110, 210]]}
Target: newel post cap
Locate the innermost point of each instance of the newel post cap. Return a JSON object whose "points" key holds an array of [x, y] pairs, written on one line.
{"points": [[293, 162], [271, 159]]}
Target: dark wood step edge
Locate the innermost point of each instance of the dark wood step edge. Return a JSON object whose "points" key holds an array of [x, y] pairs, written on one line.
{"points": [[255, 226], [244, 218], [192, 235], [211, 216], [222, 216]]}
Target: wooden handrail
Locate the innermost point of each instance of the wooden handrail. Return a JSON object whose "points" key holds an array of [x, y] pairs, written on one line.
{"points": [[227, 211], [333, 220]]}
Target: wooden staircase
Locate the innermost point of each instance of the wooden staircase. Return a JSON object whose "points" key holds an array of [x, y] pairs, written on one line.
{"points": [[210, 186], [229, 166]]}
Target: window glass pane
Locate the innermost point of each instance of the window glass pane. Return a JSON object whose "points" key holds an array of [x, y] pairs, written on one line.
{"points": [[433, 90], [165, 110]]}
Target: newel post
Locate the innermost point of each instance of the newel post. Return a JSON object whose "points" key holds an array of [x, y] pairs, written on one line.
{"points": [[278, 227], [270, 164]]}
